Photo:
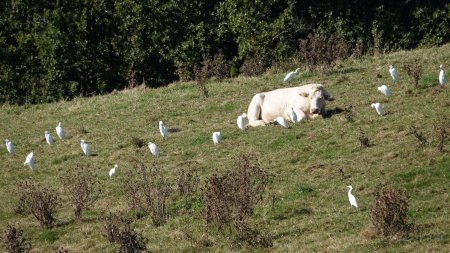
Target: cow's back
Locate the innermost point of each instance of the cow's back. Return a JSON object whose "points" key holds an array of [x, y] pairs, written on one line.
{"points": [[276, 103]]}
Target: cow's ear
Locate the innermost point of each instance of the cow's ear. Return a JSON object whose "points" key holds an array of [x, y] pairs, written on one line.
{"points": [[305, 94], [327, 95]]}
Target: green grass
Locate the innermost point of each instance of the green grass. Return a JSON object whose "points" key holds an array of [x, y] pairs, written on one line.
{"points": [[305, 207]]}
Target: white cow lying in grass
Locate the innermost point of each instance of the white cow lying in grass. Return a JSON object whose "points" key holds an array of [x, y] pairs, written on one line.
{"points": [[308, 101]]}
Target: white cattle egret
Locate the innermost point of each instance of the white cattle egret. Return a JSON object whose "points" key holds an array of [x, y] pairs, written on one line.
{"points": [[30, 161], [393, 73], [282, 122], [60, 131], [217, 137], [242, 121], [9, 146], [385, 90], [293, 115], [163, 130], [85, 147], [291, 75], [48, 138], [351, 198], [379, 108], [153, 148], [112, 171], [442, 78]]}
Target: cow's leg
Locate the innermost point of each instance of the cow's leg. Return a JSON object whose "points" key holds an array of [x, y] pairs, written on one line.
{"points": [[255, 123], [254, 111], [300, 115]]}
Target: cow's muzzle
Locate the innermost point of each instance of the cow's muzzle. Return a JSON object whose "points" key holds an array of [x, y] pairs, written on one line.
{"points": [[315, 111]]}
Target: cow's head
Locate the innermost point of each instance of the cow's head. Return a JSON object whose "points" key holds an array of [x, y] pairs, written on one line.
{"points": [[317, 96]]}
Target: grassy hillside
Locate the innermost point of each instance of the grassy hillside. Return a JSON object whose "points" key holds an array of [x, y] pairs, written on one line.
{"points": [[311, 163]]}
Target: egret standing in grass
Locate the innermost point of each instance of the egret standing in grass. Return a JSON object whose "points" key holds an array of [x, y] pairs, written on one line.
{"points": [[385, 90], [379, 108], [293, 115], [442, 78], [9, 146], [351, 198], [29, 160], [217, 137], [153, 148], [163, 130], [291, 75], [393, 73], [85, 147], [112, 171], [60, 131], [282, 122], [242, 121], [48, 138]]}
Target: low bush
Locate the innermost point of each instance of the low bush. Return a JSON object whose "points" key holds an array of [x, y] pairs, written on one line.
{"points": [[233, 196], [414, 70], [118, 230], [14, 241], [81, 186], [389, 209], [41, 201], [322, 52], [253, 66]]}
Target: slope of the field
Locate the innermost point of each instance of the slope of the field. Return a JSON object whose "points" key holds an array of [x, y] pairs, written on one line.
{"points": [[311, 162]]}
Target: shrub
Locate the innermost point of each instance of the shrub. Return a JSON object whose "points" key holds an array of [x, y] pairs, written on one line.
{"points": [[184, 74], [219, 68], [253, 66], [41, 201], [14, 240], [118, 230], [414, 70], [138, 142], [321, 52], [131, 79], [81, 186], [133, 194], [233, 196], [201, 74], [389, 210], [21, 206], [187, 182], [420, 137], [363, 139], [441, 130], [148, 191], [254, 237]]}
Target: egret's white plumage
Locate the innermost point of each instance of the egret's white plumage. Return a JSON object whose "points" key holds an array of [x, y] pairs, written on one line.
{"points": [[29, 160], [293, 115], [379, 108], [385, 90], [153, 148], [9, 146], [351, 198], [394, 73], [163, 130], [442, 78], [48, 138], [291, 75], [112, 171], [242, 121], [217, 137], [60, 131], [282, 122], [85, 147]]}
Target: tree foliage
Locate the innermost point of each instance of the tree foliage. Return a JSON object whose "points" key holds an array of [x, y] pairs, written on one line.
{"points": [[51, 50]]}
